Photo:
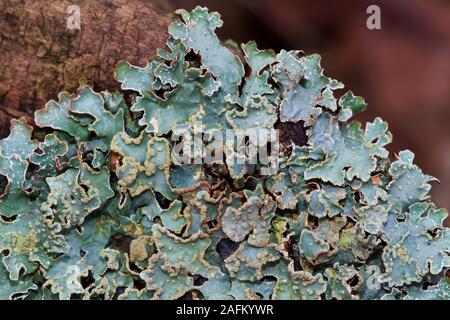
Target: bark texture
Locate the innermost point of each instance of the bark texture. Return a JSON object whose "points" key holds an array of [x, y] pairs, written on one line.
{"points": [[40, 56]]}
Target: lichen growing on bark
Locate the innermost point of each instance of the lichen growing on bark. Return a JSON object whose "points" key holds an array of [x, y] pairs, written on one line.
{"points": [[93, 202]]}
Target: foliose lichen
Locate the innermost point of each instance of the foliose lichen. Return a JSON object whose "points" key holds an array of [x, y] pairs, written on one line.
{"points": [[93, 205]]}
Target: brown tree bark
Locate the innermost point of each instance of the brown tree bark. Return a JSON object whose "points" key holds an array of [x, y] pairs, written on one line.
{"points": [[40, 56]]}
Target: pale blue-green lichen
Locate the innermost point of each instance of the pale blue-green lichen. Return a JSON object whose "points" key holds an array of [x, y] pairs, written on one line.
{"points": [[94, 203]]}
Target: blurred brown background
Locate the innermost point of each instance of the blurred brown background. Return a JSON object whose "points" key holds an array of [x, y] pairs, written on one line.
{"points": [[403, 70]]}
